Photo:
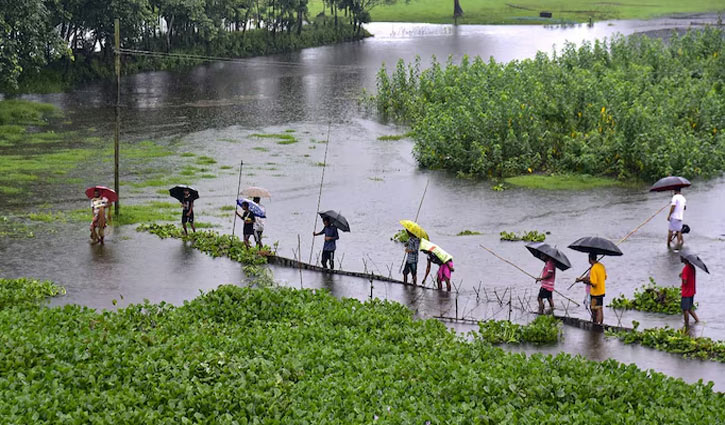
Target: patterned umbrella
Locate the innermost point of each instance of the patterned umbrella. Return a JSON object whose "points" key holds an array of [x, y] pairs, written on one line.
{"points": [[104, 192]]}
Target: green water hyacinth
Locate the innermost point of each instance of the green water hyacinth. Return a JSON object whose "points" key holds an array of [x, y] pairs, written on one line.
{"points": [[211, 243], [628, 107], [542, 330], [675, 341], [284, 356], [652, 298]]}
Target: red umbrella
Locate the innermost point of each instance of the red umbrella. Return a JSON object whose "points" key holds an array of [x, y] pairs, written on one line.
{"points": [[104, 192]]}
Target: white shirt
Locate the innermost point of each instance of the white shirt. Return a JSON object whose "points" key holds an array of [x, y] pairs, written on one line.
{"points": [[678, 201]]}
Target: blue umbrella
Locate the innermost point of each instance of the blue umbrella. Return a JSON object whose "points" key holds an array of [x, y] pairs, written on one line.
{"points": [[254, 207]]}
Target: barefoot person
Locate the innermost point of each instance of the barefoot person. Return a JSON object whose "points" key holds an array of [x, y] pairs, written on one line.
{"points": [[187, 212], [259, 223], [98, 223], [548, 275], [411, 259], [688, 292], [444, 261], [248, 218], [677, 212], [596, 280], [328, 249]]}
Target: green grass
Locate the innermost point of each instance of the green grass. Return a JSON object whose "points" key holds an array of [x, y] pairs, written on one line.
{"points": [[561, 182], [205, 160], [261, 149], [23, 112], [228, 207], [187, 154], [527, 11]]}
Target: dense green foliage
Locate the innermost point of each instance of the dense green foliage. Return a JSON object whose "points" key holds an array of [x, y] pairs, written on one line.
{"points": [[211, 243], [24, 292], [652, 298], [530, 236], [238, 355], [76, 37], [629, 107], [675, 341], [542, 330]]}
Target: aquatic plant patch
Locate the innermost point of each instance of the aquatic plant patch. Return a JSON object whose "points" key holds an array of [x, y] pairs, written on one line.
{"points": [[652, 298], [468, 233], [675, 341], [212, 243], [530, 236], [544, 329], [243, 356], [22, 292], [626, 108]]}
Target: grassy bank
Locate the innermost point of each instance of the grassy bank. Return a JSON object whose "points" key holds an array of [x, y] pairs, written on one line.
{"points": [[527, 11], [561, 181], [630, 108], [238, 356]]}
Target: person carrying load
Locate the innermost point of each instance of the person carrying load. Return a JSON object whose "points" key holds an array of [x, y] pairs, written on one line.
{"points": [[440, 257]]}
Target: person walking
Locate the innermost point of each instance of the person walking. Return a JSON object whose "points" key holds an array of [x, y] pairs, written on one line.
{"points": [[411, 260], [547, 278], [98, 222], [596, 279], [688, 292], [248, 218], [187, 211], [675, 217], [259, 223], [444, 261], [328, 249]]}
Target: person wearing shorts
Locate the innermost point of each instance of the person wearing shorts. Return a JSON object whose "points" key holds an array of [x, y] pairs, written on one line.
{"points": [[678, 205], [248, 218], [187, 212], [548, 275], [259, 223], [688, 292], [597, 280], [411, 259]]}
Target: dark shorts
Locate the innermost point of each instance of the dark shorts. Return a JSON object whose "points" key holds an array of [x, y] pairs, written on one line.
{"points": [[248, 229], [686, 303], [544, 293], [328, 255], [597, 302], [187, 218], [411, 268]]}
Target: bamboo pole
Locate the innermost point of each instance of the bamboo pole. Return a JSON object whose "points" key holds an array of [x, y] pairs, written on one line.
{"points": [[417, 214], [319, 196], [624, 239], [117, 131], [239, 187], [524, 272]]}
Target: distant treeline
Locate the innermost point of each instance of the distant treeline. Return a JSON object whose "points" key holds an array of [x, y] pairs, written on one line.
{"points": [[74, 38]]}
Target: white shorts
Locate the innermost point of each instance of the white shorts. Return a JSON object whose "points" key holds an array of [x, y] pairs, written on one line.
{"points": [[675, 225]]}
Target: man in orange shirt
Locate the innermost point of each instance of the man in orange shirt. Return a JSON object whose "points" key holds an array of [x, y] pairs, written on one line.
{"points": [[597, 279]]}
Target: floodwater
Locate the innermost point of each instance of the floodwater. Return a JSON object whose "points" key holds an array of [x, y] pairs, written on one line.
{"points": [[215, 109]]}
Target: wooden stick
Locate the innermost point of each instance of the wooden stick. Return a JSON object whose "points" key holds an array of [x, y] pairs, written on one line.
{"points": [[319, 196], [402, 263], [625, 238], [236, 196], [524, 272]]}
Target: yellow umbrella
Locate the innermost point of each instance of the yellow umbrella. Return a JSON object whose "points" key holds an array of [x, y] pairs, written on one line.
{"points": [[414, 228]]}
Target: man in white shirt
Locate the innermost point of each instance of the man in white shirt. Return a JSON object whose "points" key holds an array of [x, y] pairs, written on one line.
{"points": [[677, 213]]}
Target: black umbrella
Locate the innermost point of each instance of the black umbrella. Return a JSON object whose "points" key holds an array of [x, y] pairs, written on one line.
{"points": [[595, 245], [337, 219], [178, 192], [669, 183], [544, 251], [693, 259]]}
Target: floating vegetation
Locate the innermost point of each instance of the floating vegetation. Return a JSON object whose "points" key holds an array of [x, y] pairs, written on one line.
{"points": [[187, 154], [212, 243], [282, 138], [542, 330], [468, 233], [674, 341], [530, 236], [393, 137], [500, 187], [376, 179], [205, 160], [320, 164], [243, 355], [23, 292], [652, 298], [226, 167], [261, 149]]}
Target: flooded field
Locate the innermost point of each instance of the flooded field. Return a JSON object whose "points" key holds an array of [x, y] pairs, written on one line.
{"points": [[223, 111]]}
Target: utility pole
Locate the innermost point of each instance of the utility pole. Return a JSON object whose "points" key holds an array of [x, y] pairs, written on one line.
{"points": [[118, 111]]}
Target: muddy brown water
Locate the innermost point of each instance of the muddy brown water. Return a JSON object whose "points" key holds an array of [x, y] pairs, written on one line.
{"points": [[216, 108]]}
